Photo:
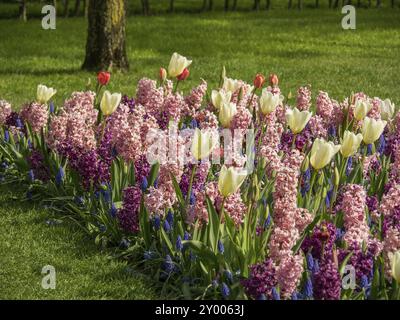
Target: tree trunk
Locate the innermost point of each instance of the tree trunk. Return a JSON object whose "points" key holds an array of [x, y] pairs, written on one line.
{"points": [[392, 3], [66, 8], [145, 7], [358, 3], [336, 4], [316, 3], [171, 5], [210, 5], [22, 10], [226, 5], [330, 4], [256, 5], [268, 4], [105, 45], [86, 8], [299, 4], [289, 4], [234, 6], [378, 3], [77, 7]]}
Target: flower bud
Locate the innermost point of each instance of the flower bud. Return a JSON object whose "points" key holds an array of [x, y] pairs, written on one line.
{"points": [[184, 75], [259, 81], [103, 78], [162, 74], [273, 80]]}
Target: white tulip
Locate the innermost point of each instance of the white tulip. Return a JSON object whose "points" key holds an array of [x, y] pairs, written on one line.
{"points": [[110, 102], [372, 129], [44, 94], [221, 97], [230, 180], [226, 114], [231, 85], [203, 143], [361, 109], [177, 64], [269, 101], [395, 265], [387, 109], [322, 153], [350, 144], [297, 120]]}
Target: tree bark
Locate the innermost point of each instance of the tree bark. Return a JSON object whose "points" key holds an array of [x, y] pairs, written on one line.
{"points": [[289, 4], [66, 8], [210, 5], [234, 6], [105, 45], [86, 6], [316, 3], [22, 10], [171, 5], [299, 4], [226, 5], [256, 5], [77, 7], [268, 4], [392, 3]]}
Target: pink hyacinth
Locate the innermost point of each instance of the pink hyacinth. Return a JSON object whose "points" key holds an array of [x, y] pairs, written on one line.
{"points": [[353, 207], [206, 119], [150, 96], [5, 111], [75, 123], [303, 100], [375, 112], [390, 246], [194, 100], [289, 274], [289, 221], [270, 143], [36, 115], [242, 119], [318, 127], [324, 106]]}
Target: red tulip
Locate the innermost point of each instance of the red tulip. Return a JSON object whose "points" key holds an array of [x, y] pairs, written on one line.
{"points": [[184, 75], [103, 78], [259, 81], [273, 80], [162, 74]]}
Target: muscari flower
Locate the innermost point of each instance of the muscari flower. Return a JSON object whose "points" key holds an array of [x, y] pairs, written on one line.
{"points": [[275, 294], [113, 210], [166, 226], [156, 222], [60, 175], [221, 248], [308, 289], [178, 244], [144, 184], [225, 291]]}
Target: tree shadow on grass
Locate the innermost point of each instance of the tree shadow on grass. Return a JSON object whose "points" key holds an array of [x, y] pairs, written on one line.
{"points": [[39, 73]]}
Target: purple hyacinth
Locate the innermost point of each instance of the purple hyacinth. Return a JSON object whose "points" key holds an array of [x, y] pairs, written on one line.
{"points": [[128, 215], [36, 163], [391, 221], [262, 280], [320, 243], [130, 102], [327, 282]]}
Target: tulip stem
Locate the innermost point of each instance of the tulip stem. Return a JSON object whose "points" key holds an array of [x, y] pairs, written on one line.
{"points": [[176, 86], [187, 201]]}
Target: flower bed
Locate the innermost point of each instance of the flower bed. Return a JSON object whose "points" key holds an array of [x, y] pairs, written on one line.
{"points": [[235, 193]]}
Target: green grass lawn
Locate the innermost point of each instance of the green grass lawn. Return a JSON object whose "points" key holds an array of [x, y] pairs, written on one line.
{"points": [[28, 242], [307, 47]]}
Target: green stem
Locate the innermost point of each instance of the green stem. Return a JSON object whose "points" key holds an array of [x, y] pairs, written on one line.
{"points": [[176, 86]]}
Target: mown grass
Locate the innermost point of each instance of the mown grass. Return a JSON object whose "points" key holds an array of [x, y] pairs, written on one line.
{"points": [[307, 47], [32, 237]]}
